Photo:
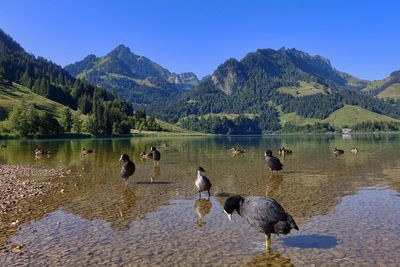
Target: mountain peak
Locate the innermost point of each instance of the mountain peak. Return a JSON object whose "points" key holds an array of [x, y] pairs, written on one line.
{"points": [[121, 51], [122, 47]]}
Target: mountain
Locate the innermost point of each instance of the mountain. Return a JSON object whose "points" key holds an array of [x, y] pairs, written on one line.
{"points": [[267, 84], [135, 78], [107, 112]]}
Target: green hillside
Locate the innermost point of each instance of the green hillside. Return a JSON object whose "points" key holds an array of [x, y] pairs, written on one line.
{"points": [[392, 91], [11, 96], [350, 115], [304, 88], [345, 116]]}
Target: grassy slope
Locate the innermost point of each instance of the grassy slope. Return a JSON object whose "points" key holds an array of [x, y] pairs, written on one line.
{"points": [[11, 96], [305, 88], [372, 85], [350, 115], [227, 115], [392, 91], [346, 116]]}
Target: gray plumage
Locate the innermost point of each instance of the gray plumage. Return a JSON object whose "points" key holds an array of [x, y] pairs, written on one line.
{"points": [[156, 154], [263, 213], [128, 168], [273, 163], [202, 183]]}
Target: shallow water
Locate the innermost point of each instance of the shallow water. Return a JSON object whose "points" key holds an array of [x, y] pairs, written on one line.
{"points": [[347, 207]]}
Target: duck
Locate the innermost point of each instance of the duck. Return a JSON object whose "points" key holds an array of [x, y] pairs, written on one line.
{"points": [[354, 150], [264, 214], [338, 151], [156, 154], [85, 151], [128, 168], [237, 151], [3, 146], [39, 151], [145, 155], [165, 145], [273, 163], [284, 151], [202, 183]]}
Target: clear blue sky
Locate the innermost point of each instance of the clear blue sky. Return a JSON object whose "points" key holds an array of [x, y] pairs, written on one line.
{"points": [[360, 37]]}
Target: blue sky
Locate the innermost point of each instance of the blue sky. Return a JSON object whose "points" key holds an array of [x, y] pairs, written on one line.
{"points": [[358, 37]]}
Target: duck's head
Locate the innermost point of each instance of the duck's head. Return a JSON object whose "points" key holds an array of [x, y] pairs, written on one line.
{"points": [[200, 169], [232, 204], [268, 153], [152, 148], [124, 157]]}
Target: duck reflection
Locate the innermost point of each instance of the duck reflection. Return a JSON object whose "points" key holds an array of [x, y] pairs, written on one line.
{"points": [[269, 259], [202, 207], [41, 156], [156, 173], [273, 184], [127, 202]]}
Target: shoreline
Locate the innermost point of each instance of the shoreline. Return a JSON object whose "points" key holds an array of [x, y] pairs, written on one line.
{"points": [[13, 189], [6, 136]]}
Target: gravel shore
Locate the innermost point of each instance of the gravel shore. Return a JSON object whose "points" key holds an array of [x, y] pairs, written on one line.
{"points": [[13, 189], [14, 194]]}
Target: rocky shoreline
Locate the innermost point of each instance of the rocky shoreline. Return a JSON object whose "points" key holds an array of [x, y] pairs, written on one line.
{"points": [[14, 194], [13, 189]]}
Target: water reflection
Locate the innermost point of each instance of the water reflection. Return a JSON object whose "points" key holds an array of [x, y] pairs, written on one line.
{"points": [[202, 207], [126, 205], [311, 189], [273, 184], [156, 173], [269, 259]]}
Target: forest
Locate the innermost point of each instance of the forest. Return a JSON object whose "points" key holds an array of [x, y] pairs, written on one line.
{"points": [[106, 113]]}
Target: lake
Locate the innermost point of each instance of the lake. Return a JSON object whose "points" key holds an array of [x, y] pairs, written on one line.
{"points": [[347, 207]]}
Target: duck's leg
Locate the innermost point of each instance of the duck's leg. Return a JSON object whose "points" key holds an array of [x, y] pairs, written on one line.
{"points": [[268, 242], [199, 194], [209, 193]]}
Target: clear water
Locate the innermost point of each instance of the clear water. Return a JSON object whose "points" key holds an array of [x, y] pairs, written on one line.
{"points": [[347, 207]]}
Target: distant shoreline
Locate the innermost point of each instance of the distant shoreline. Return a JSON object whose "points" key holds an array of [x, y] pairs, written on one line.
{"points": [[8, 136]]}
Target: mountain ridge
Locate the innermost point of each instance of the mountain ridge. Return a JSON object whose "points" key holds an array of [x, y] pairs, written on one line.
{"points": [[132, 76]]}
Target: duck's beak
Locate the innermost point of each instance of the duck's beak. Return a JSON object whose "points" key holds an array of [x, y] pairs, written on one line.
{"points": [[120, 158], [229, 215]]}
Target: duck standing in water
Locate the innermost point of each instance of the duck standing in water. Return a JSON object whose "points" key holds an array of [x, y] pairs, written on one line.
{"points": [[156, 154], [202, 183], [127, 169], [273, 163], [263, 213]]}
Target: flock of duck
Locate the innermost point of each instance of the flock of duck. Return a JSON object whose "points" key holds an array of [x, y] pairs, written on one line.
{"points": [[263, 213]]}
